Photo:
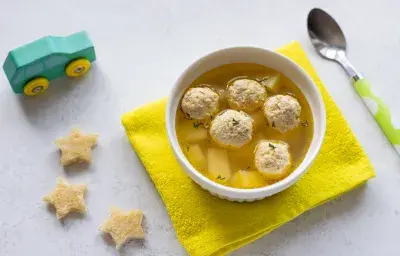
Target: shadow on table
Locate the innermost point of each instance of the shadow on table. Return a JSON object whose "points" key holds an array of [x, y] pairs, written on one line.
{"points": [[128, 154], [65, 98], [305, 223]]}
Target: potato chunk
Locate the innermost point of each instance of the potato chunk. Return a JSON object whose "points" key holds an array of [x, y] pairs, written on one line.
{"points": [[248, 179], [196, 157], [218, 164], [192, 131], [272, 83], [196, 135]]}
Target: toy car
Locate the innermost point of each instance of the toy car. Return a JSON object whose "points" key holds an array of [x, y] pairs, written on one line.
{"points": [[29, 68]]}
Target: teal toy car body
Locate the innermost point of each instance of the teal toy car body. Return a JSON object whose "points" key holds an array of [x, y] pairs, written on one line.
{"points": [[29, 68]]}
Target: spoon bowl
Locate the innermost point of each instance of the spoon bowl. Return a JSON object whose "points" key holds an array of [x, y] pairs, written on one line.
{"points": [[325, 34], [328, 39]]}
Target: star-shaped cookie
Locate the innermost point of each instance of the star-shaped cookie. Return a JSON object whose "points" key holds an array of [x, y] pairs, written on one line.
{"points": [[76, 147], [123, 226], [67, 198]]}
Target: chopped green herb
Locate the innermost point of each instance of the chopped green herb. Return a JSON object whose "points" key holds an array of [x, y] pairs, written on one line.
{"points": [[271, 146], [220, 178], [273, 124], [264, 79], [196, 124], [208, 140], [235, 122], [211, 118], [278, 106], [305, 123], [244, 170], [187, 148]]}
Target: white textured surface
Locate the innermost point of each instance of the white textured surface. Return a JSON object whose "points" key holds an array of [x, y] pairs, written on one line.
{"points": [[142, 47]]}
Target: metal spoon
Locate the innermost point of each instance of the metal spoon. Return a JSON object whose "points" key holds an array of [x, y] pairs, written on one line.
{"points": [[329, 41]]}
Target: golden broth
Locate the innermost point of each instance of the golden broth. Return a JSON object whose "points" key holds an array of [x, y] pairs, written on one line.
{"points": [[195, 140]]}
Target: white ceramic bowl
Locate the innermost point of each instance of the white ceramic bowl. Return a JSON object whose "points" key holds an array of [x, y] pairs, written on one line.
{"points": [[267, 58]]}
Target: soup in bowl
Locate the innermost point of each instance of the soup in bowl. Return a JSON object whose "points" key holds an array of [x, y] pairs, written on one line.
{"points": [[245, 122]]}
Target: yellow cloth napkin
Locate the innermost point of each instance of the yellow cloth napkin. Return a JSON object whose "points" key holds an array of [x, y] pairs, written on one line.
{"points": [[207, 225]]}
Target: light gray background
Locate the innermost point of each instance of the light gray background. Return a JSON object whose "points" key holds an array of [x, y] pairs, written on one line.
{"points": [[142, 47]]}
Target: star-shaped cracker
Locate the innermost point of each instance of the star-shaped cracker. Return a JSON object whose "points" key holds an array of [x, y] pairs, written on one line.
{"points": [[77, 147], [123, 226], [67, 198]]}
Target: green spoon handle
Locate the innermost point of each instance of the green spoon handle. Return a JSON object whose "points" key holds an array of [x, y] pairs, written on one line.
{"points": [[380, 111]]}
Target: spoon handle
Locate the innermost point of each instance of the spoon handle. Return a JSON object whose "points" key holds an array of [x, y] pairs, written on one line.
{"points": [[380, 111]]}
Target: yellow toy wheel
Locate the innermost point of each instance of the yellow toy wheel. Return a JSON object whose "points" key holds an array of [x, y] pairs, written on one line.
{"points": [[36, 86], [77, 68]]}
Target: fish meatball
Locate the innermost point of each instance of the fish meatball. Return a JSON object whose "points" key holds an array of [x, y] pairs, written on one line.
{"points": [[246, 94], [232, 129], [200, 103], [282, 112], [272, 159]]}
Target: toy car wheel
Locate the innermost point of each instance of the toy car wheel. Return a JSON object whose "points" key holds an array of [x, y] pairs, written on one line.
{"points": [[78, 67], [36, 86]]}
